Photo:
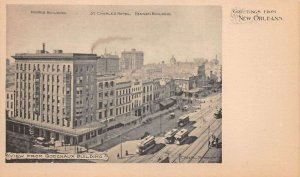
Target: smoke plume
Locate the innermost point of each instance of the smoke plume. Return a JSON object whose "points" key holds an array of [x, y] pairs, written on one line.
{"points": [[108, 40]]}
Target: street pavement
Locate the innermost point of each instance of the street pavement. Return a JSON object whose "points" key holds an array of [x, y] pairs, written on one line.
{"points": [[191, 152]]}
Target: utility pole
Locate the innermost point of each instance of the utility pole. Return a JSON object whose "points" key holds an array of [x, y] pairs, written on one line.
{"points": [[160, 124], [121, 148]]}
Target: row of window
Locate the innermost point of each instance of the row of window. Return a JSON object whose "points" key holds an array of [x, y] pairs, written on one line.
{"points": [[123, 92], [123, 110], [45, 77], [147, 89], [86, 68], [123, 100], [147, 98], [106, 103], [106, 84], [9, 106], [106, 94], [104, 114], [27, 67], [45, 118], [11, 96], [136, 89]]}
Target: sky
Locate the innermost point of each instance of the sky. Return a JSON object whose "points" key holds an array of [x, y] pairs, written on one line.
{"points": [[189, 32]]}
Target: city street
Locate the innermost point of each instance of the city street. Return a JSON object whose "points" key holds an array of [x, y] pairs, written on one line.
{"points": [[202, 124]]}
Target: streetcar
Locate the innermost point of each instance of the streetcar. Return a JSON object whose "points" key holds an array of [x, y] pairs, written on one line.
{"points": [[169, 136], [183, 120], [181, 136], [145, 144]]}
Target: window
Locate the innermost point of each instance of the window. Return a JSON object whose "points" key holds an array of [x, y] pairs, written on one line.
{"points": [[111, 112], [101, 85], [68, 90], [87, 136], [64, 68]]}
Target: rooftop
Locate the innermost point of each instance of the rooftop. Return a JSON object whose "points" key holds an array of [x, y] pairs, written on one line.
{"points": [[32, 56]]}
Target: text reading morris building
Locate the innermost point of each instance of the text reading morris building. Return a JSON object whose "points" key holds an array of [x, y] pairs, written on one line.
{"points": [[55, 96]]}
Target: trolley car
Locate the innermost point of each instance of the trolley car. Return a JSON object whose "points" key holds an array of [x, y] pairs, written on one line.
{"points": [[181, 136], [169, 136], [145, 144], [183, 120]]}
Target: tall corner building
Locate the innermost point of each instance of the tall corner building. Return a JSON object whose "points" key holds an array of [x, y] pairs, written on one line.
{"points": [[55, 92], [131, 60]]}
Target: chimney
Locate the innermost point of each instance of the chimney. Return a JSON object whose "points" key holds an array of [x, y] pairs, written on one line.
{"points": [[43, 51]]}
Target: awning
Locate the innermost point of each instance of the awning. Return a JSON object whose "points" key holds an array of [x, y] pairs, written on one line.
{"points": [[195, 90], [173, 97], [167, 102], [128, 119]]}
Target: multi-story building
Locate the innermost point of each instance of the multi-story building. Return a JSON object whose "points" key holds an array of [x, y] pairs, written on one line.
{"points": [[123, 98], [131, 60], [106, 89], [186, 83], [9, 107], [108, 64], [136, 98], [55, 93], [147, 95]]}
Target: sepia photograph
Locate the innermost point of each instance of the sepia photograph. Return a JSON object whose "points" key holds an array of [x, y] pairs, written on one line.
{"points": [[113, 84]]}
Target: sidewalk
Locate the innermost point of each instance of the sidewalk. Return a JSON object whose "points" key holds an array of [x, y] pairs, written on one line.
{"points": [[213, 155], [122, 130]]}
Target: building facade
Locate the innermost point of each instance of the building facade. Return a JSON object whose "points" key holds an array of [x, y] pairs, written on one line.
{"points": [[108, 64], [106, 89], [123, 99], [9, 106], [131, 60], [147, 95], [55, 92], [136, 98]]}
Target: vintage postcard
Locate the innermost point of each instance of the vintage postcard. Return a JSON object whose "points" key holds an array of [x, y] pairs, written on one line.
{"points": [[136, 85], [170, 89]]}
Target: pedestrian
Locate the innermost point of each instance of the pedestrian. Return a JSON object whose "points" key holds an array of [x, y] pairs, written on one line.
{"points": [[126, 152], [118, 155]]}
